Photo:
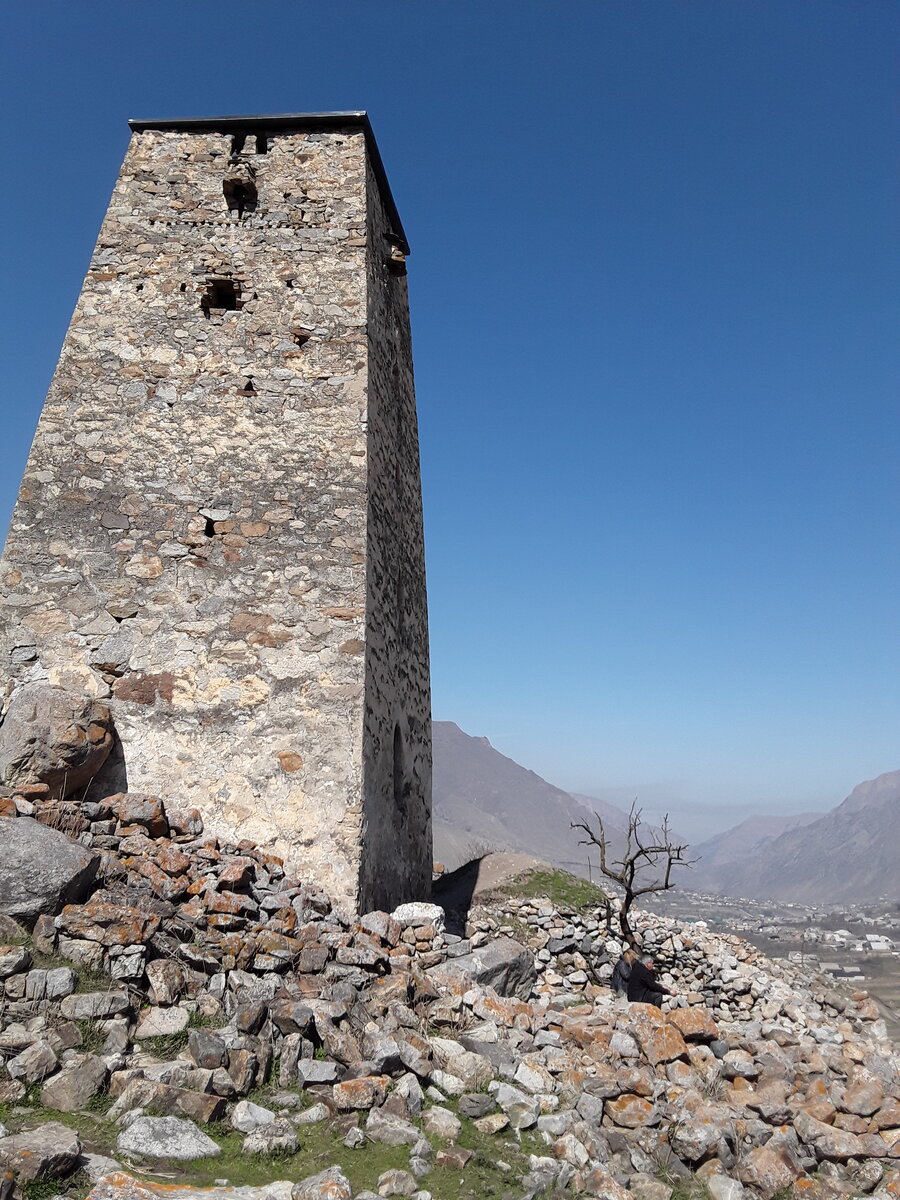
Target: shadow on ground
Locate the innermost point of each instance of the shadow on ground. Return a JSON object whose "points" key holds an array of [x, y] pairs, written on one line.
{"points": [[454, 893]]}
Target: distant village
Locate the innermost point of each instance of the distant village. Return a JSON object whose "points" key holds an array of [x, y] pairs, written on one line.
{"points": [[824, 938]]}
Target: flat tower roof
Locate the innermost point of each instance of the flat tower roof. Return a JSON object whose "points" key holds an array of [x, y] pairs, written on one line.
{"points": [[291, 123]]}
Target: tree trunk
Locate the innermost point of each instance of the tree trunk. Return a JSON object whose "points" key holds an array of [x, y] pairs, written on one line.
{"points": [[627, 931]]}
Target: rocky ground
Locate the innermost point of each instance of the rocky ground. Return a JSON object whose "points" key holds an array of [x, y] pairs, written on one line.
{"points": [[178, 1013]]}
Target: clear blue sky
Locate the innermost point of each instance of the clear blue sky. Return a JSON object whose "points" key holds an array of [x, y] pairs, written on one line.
{"points": [[654, 301]]}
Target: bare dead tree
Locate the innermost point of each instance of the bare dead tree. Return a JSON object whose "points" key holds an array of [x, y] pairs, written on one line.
{"points": [[645, 848]]}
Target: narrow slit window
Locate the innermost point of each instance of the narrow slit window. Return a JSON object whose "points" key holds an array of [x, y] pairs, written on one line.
{"points": [[262, 145]]}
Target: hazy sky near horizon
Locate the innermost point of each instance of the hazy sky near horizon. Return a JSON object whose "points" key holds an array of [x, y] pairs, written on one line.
{"points": [[654, 301]]}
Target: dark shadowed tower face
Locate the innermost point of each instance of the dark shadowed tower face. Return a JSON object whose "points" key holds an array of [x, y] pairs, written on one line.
{"points": [[220, 524]]}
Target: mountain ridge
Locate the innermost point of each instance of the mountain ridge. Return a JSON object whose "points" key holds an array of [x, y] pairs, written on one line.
{"points": [[849, 853], [484, 801]]}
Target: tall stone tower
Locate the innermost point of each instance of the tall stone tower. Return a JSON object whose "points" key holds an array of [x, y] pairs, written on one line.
{"points": [[220, 523]]}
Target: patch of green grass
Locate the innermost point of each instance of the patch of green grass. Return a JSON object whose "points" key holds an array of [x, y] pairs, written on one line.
{"points": [[262, 1094], [93, 1035], [90, 980], [49, 962], [100, 1103], [560, 888], [97, 1134], [683, 1188], [199, 1020], [76, 1187], [321, 1146], [482, 1177], [166, 1046]]}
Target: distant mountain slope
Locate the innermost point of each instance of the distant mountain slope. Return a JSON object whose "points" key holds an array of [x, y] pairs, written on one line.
{"points": [[609, 813], [483, 800], [848, 854], [719, 855]]}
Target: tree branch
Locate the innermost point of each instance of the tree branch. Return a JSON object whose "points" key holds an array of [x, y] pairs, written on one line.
{"points": [[640, 851]]}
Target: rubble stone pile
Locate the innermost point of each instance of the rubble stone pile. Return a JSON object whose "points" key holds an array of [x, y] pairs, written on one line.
{"points": [[183, 995], [576, 951]]}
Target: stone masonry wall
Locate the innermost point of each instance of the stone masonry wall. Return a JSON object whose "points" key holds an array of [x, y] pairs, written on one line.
{"points": [[191, 536], [397, 806]]}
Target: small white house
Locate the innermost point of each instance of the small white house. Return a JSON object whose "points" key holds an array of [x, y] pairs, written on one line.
{"points": [[879, 943]]}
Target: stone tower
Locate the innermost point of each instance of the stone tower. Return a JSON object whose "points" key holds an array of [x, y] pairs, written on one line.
{"points": [[220, 523]]}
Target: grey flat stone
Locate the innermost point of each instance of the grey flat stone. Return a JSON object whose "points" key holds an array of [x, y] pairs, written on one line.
{"points": [[166, 1137]]}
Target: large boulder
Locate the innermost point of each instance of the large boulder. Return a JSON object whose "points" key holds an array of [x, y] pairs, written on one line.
{"points": [[247, 1116], [41, 870], [117, 1185], [278, 1137], [694, 1024], [50, 736], [332, 1184], [34, 1063], [76, 1084], [48, 1152], [503, 964], [166, 1137]]}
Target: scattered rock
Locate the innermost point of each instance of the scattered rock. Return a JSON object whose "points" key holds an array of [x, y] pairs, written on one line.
{"points": [[277, 1137], [48, 1152], [34, 1063], [522, 1110], [442, 1123], [76, 1084], [92, 1006], [503, 964], [397, 1183], [493, 1123], [245, 1116], [166, 1137], [52, 737], [387, 1127], [161, 1022], [99, 1166], [41, 869], [362, 1093], [332, 1184]]}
